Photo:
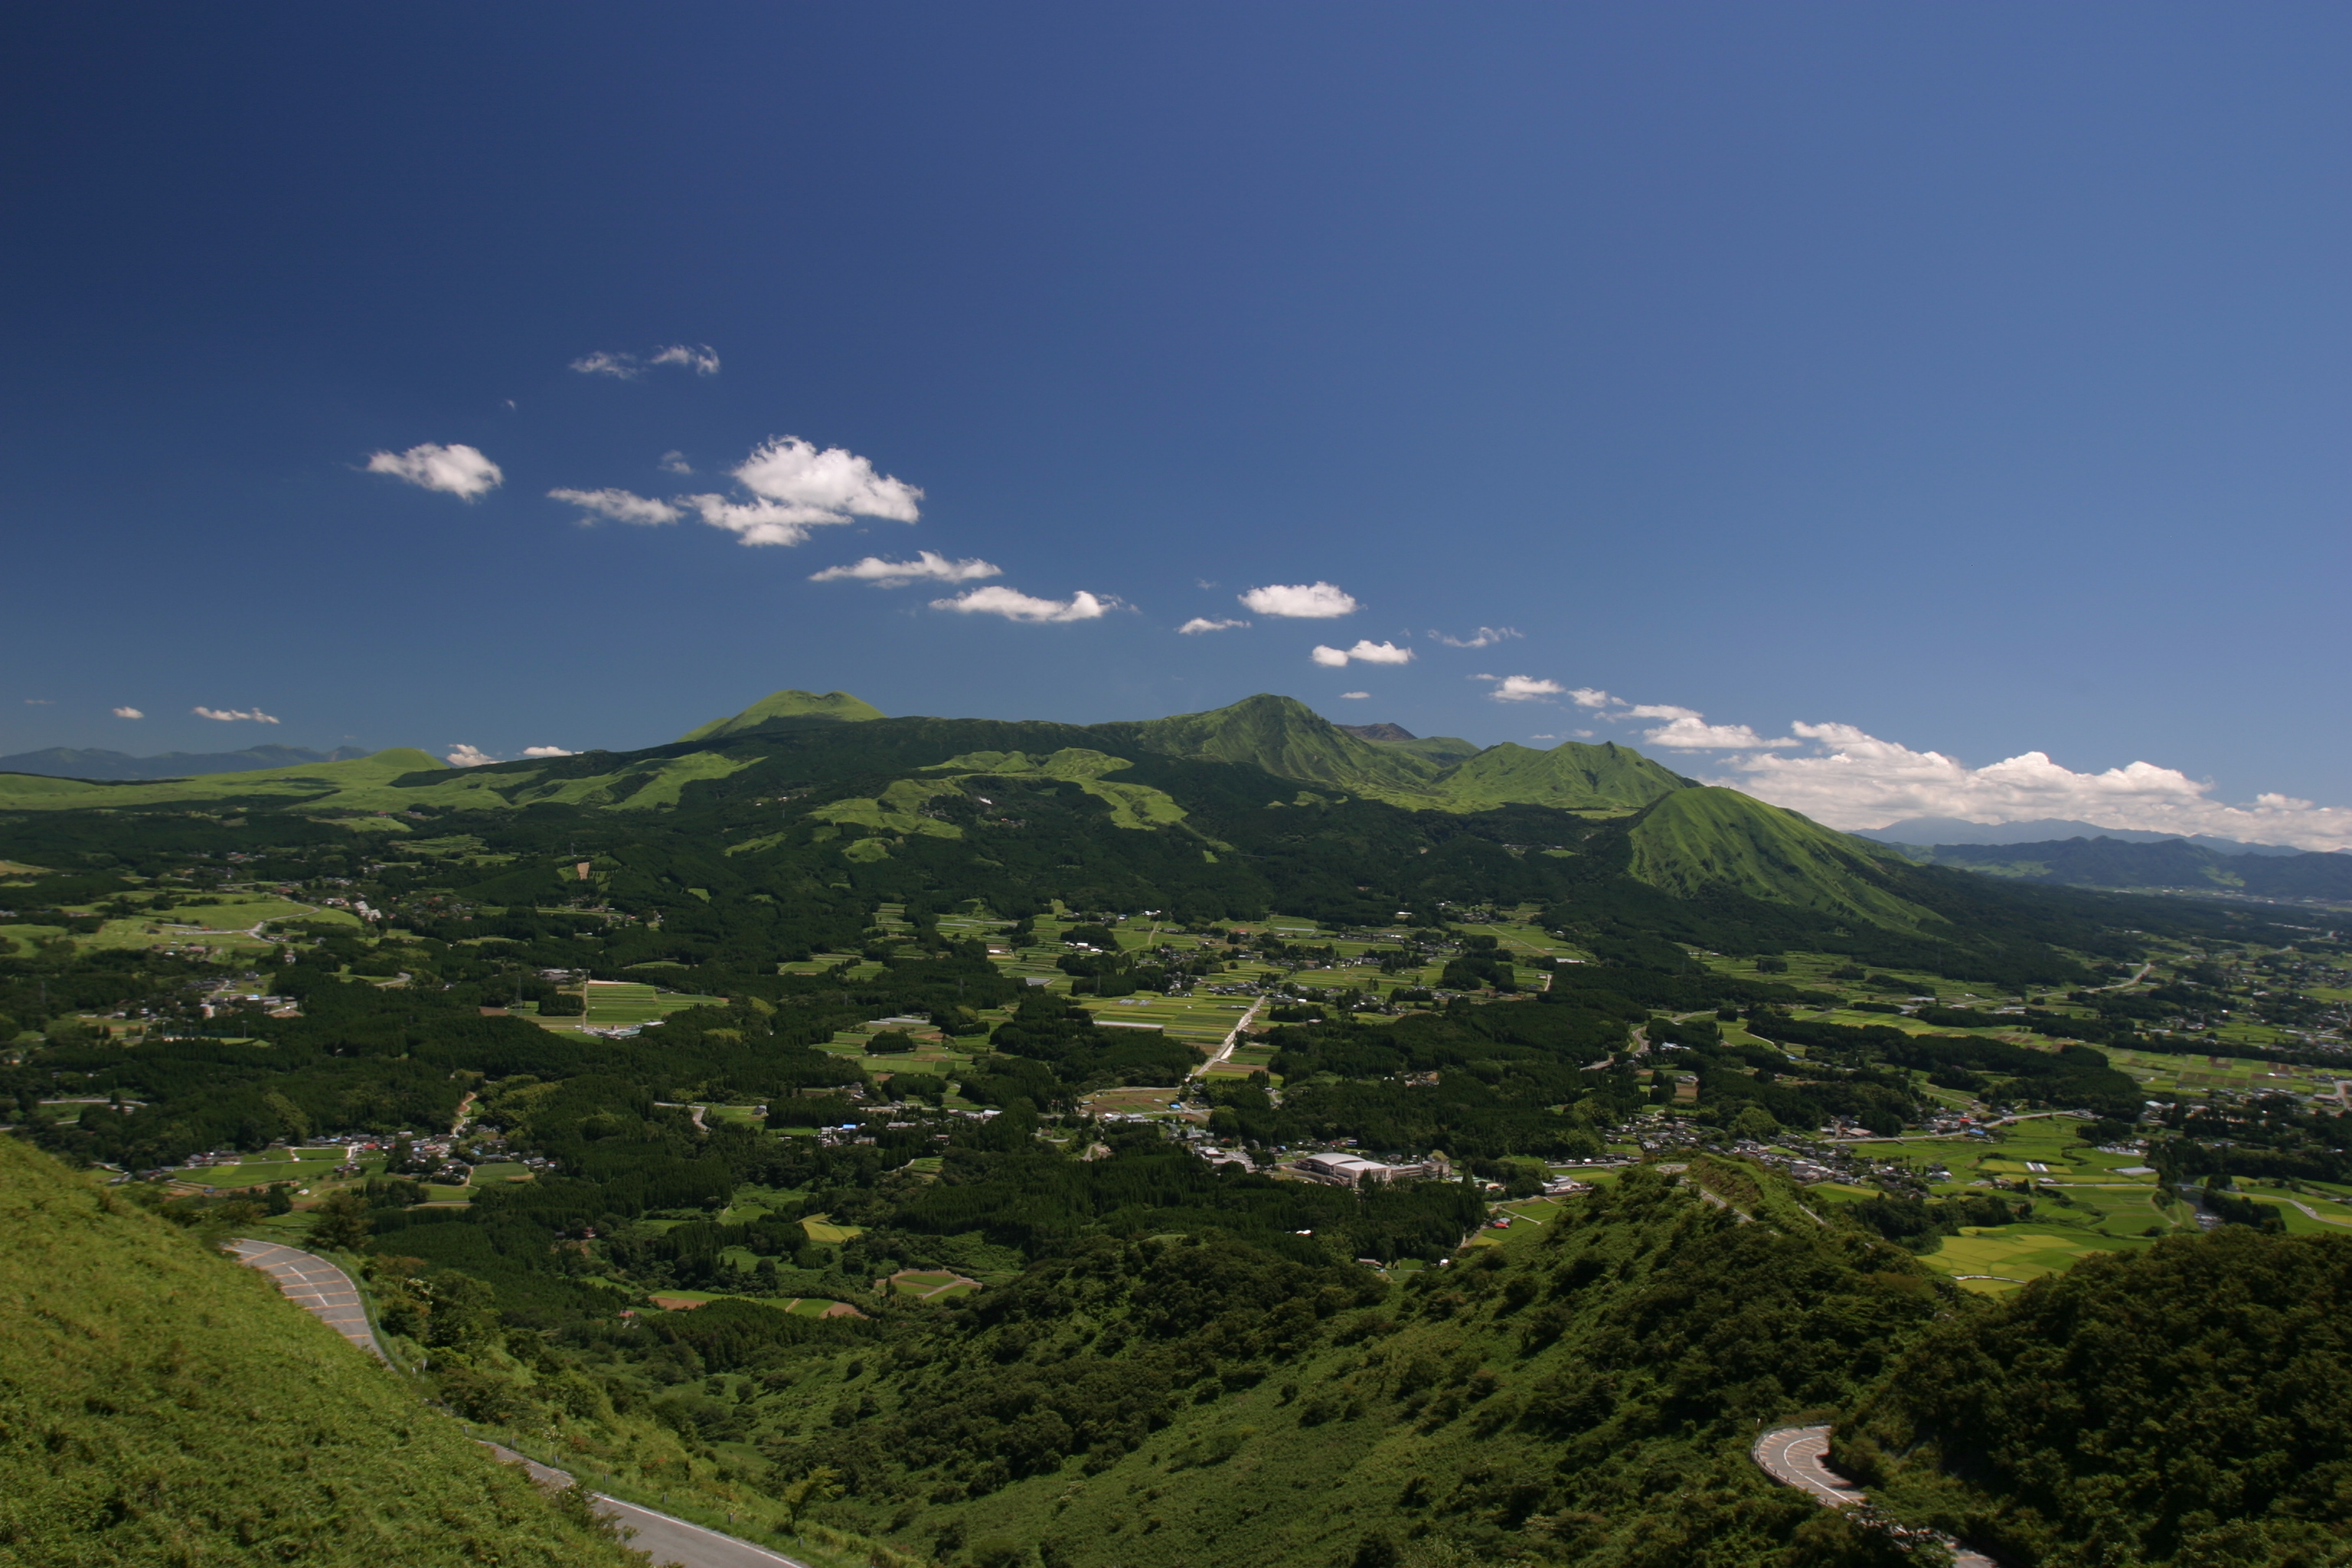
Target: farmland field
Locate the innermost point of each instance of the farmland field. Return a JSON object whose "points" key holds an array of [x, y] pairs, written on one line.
{"points": [[627, 1003]]}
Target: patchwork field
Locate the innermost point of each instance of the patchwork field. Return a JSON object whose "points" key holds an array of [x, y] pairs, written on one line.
{"points": [[626, 1004]]}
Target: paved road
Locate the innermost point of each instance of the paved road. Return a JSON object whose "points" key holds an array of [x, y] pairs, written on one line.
{"points": [[670, 1539], [1232, 1039], [1796, 1456], [327, 1292], [314, 1284]]}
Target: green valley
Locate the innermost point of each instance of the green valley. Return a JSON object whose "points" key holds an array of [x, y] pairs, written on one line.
{"points": [[1229, 1137]]}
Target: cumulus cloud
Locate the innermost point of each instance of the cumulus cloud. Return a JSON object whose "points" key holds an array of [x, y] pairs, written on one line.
{"points": [[464, 757], [929, 566], [1366, 651], [675, 463], [1588, 697], [1521, 688], [546, 752], [1199, 624], [1689, 731], [794, 472], [234, 715], [1488, 637], [1856, 780], [619, 505], [1354, 696], [455, 470], [1300, 601], [699, 359], [763, 521], [1015, 606], [129, 713]]}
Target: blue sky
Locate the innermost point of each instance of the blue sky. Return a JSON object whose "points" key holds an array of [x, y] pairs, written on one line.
{"points": [[1958, 379]]}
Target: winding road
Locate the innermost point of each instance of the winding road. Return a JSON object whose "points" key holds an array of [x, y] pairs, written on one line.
{"points": [[327, 1293], [315, 1285], [1798, 1456]]}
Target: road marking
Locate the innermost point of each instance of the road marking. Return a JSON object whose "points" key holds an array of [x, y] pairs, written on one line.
{"points": [[1798, 1456], [313, 1284]]}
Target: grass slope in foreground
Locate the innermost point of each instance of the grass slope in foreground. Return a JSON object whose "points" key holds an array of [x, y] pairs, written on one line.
{"points": [[160, 1404]]}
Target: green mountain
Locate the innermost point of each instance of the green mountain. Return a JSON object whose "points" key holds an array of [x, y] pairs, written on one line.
{"points": [[374, 782], [1702, 841], [1571, 775], [1283, 736], [787, 704], [1286, 738], [2104, 862], [162, 1404], [64, 762]]}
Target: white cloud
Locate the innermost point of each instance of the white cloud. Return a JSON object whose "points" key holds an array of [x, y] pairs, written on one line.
{"points": [[675, 463], [1856, 779], [465, 756], [1366, 651], [1689, 731], [40, 701], [623, 367], [1488, 637], [1354, 696], [546, 752], [455, 470], [1199, 624], [1521, 688], [794, 471], [929, 566], [1015, 606], [620, 506], [1300, 601], [700, 358], [129, 713], [233, 715], [763, 521], [1588, 697]]}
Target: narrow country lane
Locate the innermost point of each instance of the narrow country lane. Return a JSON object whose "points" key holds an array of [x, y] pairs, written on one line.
{"points": [[313, 1284], [1798, 1456], [669, 1539], [327, 1292]]}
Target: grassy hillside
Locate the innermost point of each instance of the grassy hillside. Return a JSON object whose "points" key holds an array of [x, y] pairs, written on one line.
{"points": [[1289, 740], [1571, 775], [2185, 1404], [363, 783], [160, 1405], [1697, 841], [65, 762], [839, 706]]}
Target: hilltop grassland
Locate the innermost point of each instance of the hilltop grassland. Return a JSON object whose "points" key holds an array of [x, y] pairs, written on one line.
{"points": [[160, 1405]]}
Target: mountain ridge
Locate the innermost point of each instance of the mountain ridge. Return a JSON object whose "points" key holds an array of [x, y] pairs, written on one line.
{"points": [[99, 764]]}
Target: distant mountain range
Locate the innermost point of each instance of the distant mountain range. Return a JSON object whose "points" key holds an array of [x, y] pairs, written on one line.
{"points": [[2047, 830], [65, 762], [2109, 861], [1589, 825]]}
